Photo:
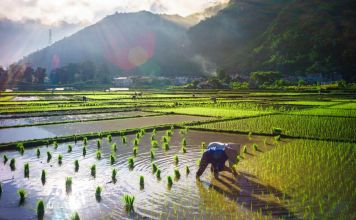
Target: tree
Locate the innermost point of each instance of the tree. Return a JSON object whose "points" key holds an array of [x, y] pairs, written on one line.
{"points": [[28, 75], [40, 75], [223, 76], [265, 77]]}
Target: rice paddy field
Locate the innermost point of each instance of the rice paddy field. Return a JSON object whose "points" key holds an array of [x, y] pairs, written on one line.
{"points": [[134, 155]]}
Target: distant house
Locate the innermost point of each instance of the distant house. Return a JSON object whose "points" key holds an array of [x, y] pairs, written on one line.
{"points": [[123, 81]]}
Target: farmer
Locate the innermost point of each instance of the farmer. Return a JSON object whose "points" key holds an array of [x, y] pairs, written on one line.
{"points": [[217, 154]]}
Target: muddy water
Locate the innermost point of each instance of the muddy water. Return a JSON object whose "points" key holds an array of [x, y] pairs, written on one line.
{"points": [[186, 199], [46, 131], [32, 120]]}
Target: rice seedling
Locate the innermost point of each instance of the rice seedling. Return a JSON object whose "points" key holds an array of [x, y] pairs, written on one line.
{"points": [[169, 181], [76, 165], [69, 148], [154, 132], [113, 175], [60, 157], [138, 135], [203, 145], [0, 189], [98, 154], [169, 133], [123, 139], [142, 182], [277, 131], [75, 138], [165, 146], [112, 159], [131, 162], [109, 138], [154, 168], [142, 131], [85, 141], [100, 134], [187, 170], [12, 164], [38, 152], [68, 184], [198, 162], [255, 147], [22, 193], [84, 151], [152, 153], [114, 147], [184, 142], [158, 174], [244, 149], [129, 201], [265, 141], [175, 159], [184, 150], [75, 216], [93, 170], [135, 142], [135, 149], [43, 177], [154, 144], [26, 170], [98, 193], [153, 137], [164, 139], [249, 135], [5, 159], [21, 148], [277, 138], [176, 174], [98, 144], [40, 209], [49, 156]]}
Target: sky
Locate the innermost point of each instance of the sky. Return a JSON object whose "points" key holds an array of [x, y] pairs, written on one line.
{"points": [[84, 12]]}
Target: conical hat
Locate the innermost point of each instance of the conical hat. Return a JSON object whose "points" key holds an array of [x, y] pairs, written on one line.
{"points": [[232, 150]]}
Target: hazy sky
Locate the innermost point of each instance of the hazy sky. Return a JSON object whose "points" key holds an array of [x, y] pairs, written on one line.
{"points": [[52, 12]]}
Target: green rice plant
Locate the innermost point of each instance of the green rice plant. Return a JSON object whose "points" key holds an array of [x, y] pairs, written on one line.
{"points": [[68, 184], [153, 137], [75, 216], [154, 144], [135, 151], [112, 159], [176, 174], [184, 150], [98, 193], [154, 168], [142, 182], [123, 139], [26, 170], [131, 162], [135, 142], [276, 131], [100, 134], [165, 146], [176, 159], [277, 138], [122, 133], [169, 133], [0, 189], [84, 151], [21, 148], [158, 174], [38, 152], [187, 170], [76, 165], [98, 144], [5, 159], [198, 162], [114, 147], [244, 149], [70, 148], [85, 141], [129, 201], [169, 181], [93, 170], [265, 141], [203, 145], [22, 193], [184, 142], [154, 132], [138, 135], [49, 156], [109, 138], [98, 154], [43, 177], [60, 157], [152, 153], [113, 175], [249, 135], [75, 138], [55, 145], [255, 147], [12, 164], [40, 209], [164, 139], [142, 131]]}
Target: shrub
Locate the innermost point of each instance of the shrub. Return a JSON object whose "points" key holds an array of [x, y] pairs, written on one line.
{"points": [[75, 216], [22, 193], [60, 157], [169, 181], [129, 201], [5, 159], [142, 182], [187, 170], [43, 177], [175, 159], [114, 148], [98, 193], [21, 148], [154, 168], [38, 152], [76, 165], [98, 154], [176, 173], [84, 151], [49, 156], [93, 170], [158, 174], [69, 148], [113, 175], [68, 184], [131, 162], [40, 209], [26, 170], [152, 153], [12, 164], [98, 144]]}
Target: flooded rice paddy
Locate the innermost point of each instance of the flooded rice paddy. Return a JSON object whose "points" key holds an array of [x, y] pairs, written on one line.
{"points": [[188, 198]]}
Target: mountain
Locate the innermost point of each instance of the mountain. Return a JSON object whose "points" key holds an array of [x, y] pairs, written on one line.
{"points": [[295, 37]]}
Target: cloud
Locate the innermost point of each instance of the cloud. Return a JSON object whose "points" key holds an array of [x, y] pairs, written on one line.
{"points": [[52, 12]]}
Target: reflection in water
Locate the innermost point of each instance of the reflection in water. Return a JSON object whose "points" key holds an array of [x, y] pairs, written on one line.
{"points": [[187, 199]]}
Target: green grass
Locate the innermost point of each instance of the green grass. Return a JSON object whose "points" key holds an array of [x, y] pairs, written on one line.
{"points": [[295, 126], [26, 170], [142, 182], [129, 201], [93, 170], [68, 184], [326, 112], [13, 164], [40, 209], [317, 176], [76, 165], [22, 194], [43, 177]]}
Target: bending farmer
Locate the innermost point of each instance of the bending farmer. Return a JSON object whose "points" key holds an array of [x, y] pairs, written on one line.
{"points": [[217, 154]]}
